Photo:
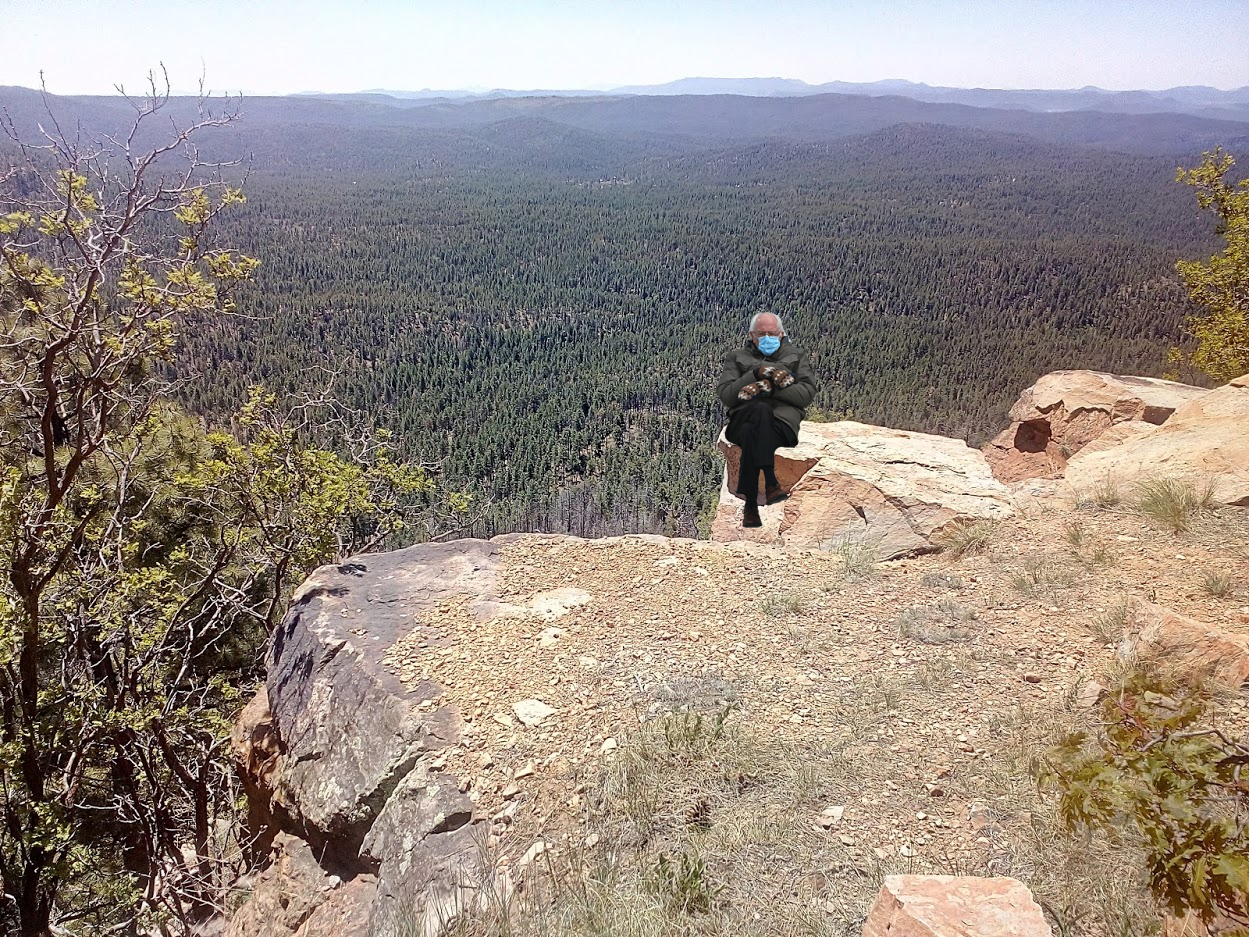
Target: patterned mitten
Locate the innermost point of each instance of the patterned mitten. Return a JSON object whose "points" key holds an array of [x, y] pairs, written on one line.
{"points": [[757, 389], [778, 376]]}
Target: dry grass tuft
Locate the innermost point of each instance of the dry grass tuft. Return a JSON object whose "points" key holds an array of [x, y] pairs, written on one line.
{"points": [[777, 606], [1103, 496], [858, 557], [1108, 626], [1173, 502], [943, 581], [1217, 583], [1042, 576], [966, 538]]}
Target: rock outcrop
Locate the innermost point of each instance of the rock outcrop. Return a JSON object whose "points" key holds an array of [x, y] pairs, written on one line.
{"points": [[345, 761], [1190, 648], [893, 490], [1206, 440], [1065, 411], [954, 906]]}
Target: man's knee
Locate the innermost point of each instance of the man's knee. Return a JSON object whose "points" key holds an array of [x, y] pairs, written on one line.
{"points": [[758, 411]]}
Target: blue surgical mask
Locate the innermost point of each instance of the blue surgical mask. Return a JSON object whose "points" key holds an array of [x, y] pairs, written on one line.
{"points": [[768, 344]]}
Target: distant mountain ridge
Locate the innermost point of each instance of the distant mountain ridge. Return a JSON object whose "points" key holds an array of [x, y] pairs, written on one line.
{"points": [[1201, 100], [669, 125]]}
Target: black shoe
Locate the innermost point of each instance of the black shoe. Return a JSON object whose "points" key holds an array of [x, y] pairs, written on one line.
{"points": [[775, 493], [750, 515]]}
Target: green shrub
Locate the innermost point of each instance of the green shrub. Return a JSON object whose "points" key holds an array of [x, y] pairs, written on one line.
{"points": [[1157, 770]]}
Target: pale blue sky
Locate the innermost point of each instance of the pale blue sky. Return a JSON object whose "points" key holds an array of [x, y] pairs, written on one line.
{"points": [[282, 46]]}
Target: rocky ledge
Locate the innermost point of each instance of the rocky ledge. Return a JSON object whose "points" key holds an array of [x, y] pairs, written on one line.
{"points": [[1065, 411]]}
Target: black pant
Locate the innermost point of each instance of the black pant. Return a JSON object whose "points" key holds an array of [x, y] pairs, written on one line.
{"points": [[755, 428]]}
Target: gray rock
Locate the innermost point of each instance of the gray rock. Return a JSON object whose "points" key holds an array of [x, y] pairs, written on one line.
{"points": [[351, 779]]}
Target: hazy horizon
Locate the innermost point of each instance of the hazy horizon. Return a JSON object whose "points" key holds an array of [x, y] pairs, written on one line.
{"points": [[325, 46]]}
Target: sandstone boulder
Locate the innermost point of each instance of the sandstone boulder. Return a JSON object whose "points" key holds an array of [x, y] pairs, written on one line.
{"points": [[1191, 648], [295, 895], [850, 482], [255, 750], [1064, 411], [954, 906], [1205, 440]]}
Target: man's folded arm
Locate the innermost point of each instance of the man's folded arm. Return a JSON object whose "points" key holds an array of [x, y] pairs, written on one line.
{"points": [[732, 379], [802, 391]]}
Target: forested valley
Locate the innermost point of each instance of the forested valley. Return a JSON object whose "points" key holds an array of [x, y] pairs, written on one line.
{"points": [[540, 304]]}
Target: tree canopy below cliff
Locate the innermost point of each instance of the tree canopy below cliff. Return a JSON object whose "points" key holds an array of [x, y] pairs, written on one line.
{"points": [[538, 291]]}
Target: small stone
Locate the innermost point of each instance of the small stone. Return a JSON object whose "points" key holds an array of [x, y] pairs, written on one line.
{"points": [[592, 840], [507, 814], [609, 745], [549, 637], [525, 770], [881, 852], [512, 790], [1031, 678], [830, 816], [1090, 694], [588, 662], [532, 712], [978, 817], [846, 839], [906, 852], [537, 849]]}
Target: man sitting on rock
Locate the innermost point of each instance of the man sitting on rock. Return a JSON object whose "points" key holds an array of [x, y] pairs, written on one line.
{"points": [[765, 387]]}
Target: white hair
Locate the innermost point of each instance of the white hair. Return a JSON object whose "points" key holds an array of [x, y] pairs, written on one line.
{"points": [[758, 315]]}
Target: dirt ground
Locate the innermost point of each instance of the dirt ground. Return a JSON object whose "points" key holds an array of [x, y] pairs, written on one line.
{"points": [[735, 739]]}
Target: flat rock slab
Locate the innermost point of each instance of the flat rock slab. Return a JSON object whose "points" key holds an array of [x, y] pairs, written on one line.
{"points": [[892, 490], [954, 906], [1205, 440]]}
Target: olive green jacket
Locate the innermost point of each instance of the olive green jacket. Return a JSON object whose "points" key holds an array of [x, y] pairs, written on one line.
{"points": [[789, 404]]}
